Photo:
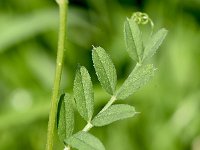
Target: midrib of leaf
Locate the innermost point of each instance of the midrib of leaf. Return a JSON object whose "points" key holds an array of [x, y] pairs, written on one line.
{"points": [[129, 26], [157, 38], [153, 47], [111, 114], [84, 95], [113, 79], [136, 79], [106, 73], [64, 117]]}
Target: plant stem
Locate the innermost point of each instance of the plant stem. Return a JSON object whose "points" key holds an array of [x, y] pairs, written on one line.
{"points": [[67, 148], [110, 102], [59, 65], [87, 127]]}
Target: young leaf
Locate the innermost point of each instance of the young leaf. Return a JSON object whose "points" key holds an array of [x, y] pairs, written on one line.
{"points": [[65, 119], [83, 93], [133, 39], [114, 113], [85, 141], [105, 69], [138, 78], [154, 42]]}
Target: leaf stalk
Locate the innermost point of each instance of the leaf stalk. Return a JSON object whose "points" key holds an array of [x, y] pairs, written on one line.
{"points": [[110, 102]]}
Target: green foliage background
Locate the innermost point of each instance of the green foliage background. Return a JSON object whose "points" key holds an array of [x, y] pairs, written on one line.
{"points": [[169, 104]]}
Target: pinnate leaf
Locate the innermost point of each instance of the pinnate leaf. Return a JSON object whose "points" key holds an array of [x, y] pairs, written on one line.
{"points": [[83, 93], [154, 42], [133, 39], [137, 79], [65, 117], [105, 69], [113, 113], [84, 141]]}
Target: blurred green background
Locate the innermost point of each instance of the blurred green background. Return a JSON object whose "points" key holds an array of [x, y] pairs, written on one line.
{"points": [[169, 104]]}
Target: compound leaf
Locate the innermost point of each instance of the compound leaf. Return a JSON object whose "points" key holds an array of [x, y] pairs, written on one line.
{"points": [[83, 93], [105, 69], [133, 39], [137, 79], [65, 117], [113, 113], [84, 141]]}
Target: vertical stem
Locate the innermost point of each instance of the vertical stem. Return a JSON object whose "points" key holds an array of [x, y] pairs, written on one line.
{"points": [[59, 65]]}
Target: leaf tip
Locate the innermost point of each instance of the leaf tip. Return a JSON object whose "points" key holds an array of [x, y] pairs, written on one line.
{"points": [[93, 47], [137, 113]]}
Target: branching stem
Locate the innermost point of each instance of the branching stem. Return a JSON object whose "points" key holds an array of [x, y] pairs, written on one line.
{"points": [[110, 102]]}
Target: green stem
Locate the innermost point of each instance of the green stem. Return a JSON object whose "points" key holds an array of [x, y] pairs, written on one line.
{"points": [[87, 127], [110, 102], [67, 148], [59, 65]]}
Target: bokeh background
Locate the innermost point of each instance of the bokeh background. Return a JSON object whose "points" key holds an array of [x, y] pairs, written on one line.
{"points": [[169, 104]]}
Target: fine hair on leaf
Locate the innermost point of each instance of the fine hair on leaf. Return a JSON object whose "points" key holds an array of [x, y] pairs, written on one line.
{"points": [[154, 42], [83, 93], [113, 113], [65, 118], [137, 79], [85, 141], [133, 39], [105, 69]]}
